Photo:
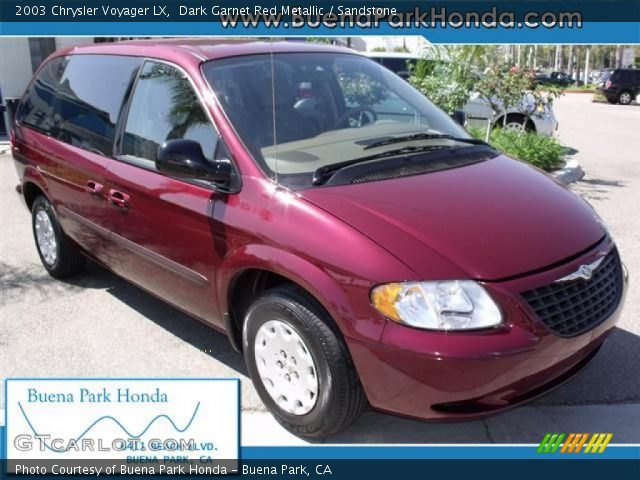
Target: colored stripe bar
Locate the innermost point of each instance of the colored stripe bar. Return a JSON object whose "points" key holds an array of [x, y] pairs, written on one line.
{"points": [[606, 441], [582, 440], [569, 443]]}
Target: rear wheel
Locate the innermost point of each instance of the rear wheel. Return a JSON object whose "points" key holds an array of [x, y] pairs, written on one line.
{"points": [[625, 97], [300, 364], [58, 255]]}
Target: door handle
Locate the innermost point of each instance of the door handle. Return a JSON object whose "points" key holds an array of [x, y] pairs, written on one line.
{"points": [[94, 188], [118, 198]]}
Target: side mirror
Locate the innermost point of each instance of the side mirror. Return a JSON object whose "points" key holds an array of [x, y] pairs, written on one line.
{"points": [[459, 117], [184, 158]]}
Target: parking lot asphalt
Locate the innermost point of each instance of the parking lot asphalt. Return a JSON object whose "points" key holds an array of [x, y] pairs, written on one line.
{"points": [[99, 325]]}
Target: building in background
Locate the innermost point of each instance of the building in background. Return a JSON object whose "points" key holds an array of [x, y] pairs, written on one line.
{"points": [[19, 59]]}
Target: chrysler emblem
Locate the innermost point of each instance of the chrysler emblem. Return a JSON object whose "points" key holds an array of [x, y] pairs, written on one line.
{"points": [[584, 272]]}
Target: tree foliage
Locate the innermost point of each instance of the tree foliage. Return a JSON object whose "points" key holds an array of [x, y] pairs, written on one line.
{"points": [[448, 74]]}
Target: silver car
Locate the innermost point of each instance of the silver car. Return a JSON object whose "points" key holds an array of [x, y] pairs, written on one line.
{"points": [[478, 110]]}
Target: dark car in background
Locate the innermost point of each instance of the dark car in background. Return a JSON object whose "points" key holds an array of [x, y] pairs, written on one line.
{"points": [[560, 79], [621, 85]]}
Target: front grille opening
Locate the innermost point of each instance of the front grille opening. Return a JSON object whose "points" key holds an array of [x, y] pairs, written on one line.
{"points": [[573, 308]]}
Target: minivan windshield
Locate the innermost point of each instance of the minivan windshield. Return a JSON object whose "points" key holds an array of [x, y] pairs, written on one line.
{"points": [[298, 113]]}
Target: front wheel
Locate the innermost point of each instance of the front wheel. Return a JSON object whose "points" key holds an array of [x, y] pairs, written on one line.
{"points": [[300, 365], [58, 255], [624, 98]]}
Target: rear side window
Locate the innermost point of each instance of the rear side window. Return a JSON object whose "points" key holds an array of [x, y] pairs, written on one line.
{"points": [[622, 76], [90, 97], [36, 109], [164, 107], [84, 103]]}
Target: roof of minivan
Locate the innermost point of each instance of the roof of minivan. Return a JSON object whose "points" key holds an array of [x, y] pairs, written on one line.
{"points": [[202, 48], [404, 55]]}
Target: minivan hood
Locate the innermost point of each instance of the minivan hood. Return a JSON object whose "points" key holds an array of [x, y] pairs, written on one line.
{"points": [[488, 221]]}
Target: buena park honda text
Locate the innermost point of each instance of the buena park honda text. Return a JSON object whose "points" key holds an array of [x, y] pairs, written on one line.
{"points": [[354, 251]]}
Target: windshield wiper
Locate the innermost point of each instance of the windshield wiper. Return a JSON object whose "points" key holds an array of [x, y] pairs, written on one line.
{"points": [[322, 174], [423, 136]]}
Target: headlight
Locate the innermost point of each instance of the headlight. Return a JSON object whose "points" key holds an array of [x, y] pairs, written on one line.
{"points": [[442, 305]]}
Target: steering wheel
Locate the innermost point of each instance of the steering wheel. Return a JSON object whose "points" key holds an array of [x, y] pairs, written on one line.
{"points": [[358, 115]]}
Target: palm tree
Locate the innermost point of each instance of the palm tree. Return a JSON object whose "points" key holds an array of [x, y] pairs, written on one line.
{"points": [[570, 60], [587, 55], [619, 50]]}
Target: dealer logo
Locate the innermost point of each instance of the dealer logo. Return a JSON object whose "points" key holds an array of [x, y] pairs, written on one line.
{"points": [[120, 425]]}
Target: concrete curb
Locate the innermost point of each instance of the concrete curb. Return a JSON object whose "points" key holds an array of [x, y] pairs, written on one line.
{"points": [[572, 172]]}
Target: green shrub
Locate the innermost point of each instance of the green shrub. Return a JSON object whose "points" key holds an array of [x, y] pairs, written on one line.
{"points": [[589, 88], [599, 98], [542, 151]]}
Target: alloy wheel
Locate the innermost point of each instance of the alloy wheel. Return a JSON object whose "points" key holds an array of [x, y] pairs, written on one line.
{"points": [[625, 98], [514, 127], [46, 237]]}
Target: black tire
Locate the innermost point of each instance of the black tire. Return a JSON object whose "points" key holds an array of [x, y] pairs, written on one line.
{"points": [[340, 398], [515, 118], [625, 97], [69, 261]]}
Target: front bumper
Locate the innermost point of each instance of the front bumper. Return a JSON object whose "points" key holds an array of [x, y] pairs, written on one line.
{"points": [[454, 376], [610, 94]]}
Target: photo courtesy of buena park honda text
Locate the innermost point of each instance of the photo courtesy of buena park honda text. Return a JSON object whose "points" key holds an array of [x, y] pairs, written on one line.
{"points": [[320, 238]]}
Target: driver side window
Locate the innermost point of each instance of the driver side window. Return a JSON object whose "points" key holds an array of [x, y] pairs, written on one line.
{"points": [[165, 107]]}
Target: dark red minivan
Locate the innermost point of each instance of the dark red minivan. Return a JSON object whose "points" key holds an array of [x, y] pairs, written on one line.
{"points": [[351, 239]]}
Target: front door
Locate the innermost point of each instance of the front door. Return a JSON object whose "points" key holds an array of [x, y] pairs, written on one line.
{"points": [[162, 226]]}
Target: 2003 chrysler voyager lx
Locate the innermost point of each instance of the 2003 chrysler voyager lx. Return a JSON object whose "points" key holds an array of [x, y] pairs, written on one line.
{"points": [[355, 254]]}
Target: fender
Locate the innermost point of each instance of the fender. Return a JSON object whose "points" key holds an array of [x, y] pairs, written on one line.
{"points": [[315, 280], [28, 172], [32, 174]]}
